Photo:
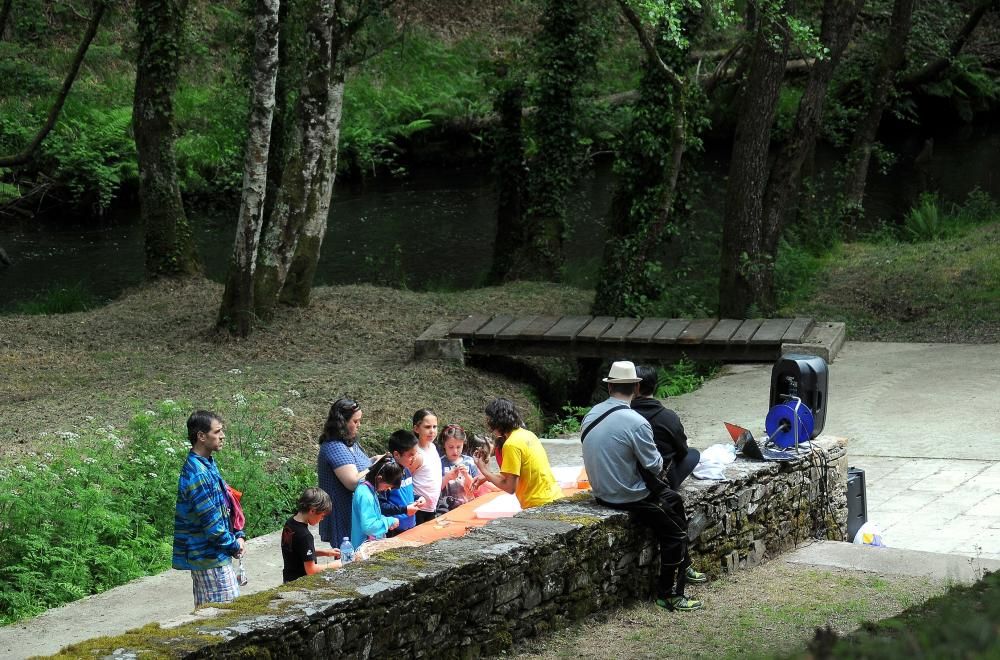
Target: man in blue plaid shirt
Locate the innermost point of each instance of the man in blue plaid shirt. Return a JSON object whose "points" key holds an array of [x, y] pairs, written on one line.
{"points": [[204, 541]]}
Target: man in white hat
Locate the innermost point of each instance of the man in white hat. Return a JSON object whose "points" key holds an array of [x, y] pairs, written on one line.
{"points": [[617, 443]]}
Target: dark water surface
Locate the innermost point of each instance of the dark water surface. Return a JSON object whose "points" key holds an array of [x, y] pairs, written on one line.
{"points": [[435, 229]]}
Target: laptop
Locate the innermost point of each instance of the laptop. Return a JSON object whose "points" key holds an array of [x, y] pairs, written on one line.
{"points": [[747, 445]]}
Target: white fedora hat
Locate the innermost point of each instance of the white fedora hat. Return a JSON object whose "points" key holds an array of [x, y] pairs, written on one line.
{"points": [[622, 372]]}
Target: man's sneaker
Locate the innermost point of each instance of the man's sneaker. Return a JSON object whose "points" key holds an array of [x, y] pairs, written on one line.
{"points": [[695, 577], [679, 604]]}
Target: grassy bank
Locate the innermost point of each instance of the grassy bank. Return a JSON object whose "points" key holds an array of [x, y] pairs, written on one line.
{"points": [[947, 290], [158, 343]]}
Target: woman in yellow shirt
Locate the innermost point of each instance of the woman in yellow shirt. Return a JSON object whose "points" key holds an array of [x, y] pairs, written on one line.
{"points": [[524, 465]]}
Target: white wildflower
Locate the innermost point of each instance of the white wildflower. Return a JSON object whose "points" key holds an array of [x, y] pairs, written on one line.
{"points": [[236, 372], [260, 452], [168, 402], [42, 466], [89, 418], [73, 472], [48, 456], [88, 460], [240, 399], [283, 459], [171, 450], [119, 444], [4, 474], [288, 411], [68, 435], [152, 475], [294, 393], [149, 413]]}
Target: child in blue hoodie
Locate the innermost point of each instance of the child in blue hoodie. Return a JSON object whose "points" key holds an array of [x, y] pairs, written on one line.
{"points": [[367, 521]]}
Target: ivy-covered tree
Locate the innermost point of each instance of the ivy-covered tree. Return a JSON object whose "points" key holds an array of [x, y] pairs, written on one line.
{"points": [[170, 248], [649, 163], [566, 48]]}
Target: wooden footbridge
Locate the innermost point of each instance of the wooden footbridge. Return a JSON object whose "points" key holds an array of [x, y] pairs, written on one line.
{"points": [[726, 340]]}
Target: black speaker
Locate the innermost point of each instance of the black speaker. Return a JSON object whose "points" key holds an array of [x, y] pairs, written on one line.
{"points": [[857, 506], [804, 376]]}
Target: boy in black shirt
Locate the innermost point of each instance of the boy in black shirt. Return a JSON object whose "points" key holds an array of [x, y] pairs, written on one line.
{"points": [[298, 548]]}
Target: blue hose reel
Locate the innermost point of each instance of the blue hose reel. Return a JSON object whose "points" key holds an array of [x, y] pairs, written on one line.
{"points": [[789, 424]]}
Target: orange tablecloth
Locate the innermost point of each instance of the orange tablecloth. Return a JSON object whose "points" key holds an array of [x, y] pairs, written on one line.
{"points": [[460, 520]]}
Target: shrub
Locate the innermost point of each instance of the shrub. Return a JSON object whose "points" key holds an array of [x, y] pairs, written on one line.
{"points": [[98, 509], [682, 377]]}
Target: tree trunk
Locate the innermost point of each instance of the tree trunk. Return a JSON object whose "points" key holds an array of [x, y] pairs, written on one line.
{"points": [[302, 272], [838, 20], [237, 309], [170, 249], [57, 105], [508, 164], [4, 15], [744, 258], [302, 174], [890, 63]]}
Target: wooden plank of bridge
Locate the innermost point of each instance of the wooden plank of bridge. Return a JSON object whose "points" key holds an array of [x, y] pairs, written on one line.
{"points": [[619, 330], [797, 331], [722, 331], [595, 328], [537, 328], [696, 331], [770, 332], [465, 328], [670, 331], [567, 328], [495, 325], [514, 328], [645, 331], [745, 332]]}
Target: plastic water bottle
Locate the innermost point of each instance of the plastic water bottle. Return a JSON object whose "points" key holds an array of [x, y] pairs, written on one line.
{"points": [[346, 551], [241, 574]]}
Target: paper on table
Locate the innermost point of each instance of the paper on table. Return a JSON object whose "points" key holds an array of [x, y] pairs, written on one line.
{"points": [[567, 477], [502, 506]]}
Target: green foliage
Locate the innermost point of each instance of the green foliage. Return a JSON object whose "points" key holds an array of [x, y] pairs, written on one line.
{"points": [[97, 509], [569, 423], [683, 377], [925, 221], [406, 90], [59, 300], [210, 143], [92, 152]]}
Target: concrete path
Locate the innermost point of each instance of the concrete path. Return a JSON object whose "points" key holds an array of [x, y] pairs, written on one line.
{"points": [[922, 420]]}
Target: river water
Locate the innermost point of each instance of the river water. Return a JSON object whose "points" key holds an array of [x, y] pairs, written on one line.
{"points": [[435, 228]]}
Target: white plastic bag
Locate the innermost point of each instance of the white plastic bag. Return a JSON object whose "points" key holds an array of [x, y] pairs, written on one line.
{"points": [[713, 462], [869, 534]]}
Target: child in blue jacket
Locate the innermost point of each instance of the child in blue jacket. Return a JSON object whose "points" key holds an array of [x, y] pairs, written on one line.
{"points": [[367, 521]]}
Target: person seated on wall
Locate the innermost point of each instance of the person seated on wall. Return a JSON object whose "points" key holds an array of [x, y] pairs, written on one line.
{"points": [[679, 460], [524, 465], [617, 447]]}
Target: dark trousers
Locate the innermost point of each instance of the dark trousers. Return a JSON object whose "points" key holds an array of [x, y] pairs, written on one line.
{"points": [[678, 472], [424, 516], [664, 515]]}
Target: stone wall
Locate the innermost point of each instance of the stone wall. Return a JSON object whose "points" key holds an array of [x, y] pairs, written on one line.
{"points": [[460, 598]]}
